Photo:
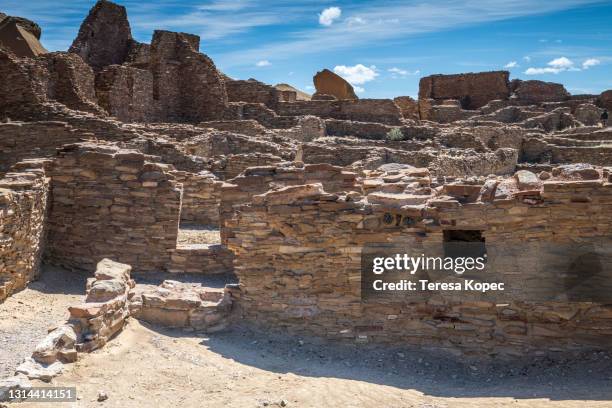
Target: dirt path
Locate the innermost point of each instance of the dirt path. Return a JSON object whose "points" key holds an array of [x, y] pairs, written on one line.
{"points": [[26, 316], [145, 367]]}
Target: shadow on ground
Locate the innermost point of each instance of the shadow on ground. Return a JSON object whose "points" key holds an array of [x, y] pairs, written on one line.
{"points": [[560, 377]]}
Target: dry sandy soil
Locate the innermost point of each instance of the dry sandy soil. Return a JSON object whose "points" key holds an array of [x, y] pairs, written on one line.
{"points": [[26, 317], [147, 366]]}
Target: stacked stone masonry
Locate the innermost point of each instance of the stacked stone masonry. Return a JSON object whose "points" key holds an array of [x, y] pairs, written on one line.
{"points": [[23, 208], [298, 253]]}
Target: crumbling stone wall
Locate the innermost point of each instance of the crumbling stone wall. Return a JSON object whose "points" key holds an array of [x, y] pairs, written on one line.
{"points": [[362, 110], [258, 180], [26, 140], [252, 91], [29, 84], [126, 93], [473, 90], [538, 91], [298, 258], [104, 36], [70, 82], [111, 202], [23, 210], [186, 83], [201, 197]]}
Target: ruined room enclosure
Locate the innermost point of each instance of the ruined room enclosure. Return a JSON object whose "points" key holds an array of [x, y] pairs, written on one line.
{"points": [[193, 204]]}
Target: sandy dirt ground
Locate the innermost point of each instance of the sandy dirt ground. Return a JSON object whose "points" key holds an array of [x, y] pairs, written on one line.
{"points": [[149, 367], [26, 316], [146, 366]]}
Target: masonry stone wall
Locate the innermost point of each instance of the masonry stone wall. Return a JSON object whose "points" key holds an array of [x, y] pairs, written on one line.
{"points": [[126, 93], [252, 91], [361, 110], [258, 180], [23, 209], [473, 90], [201, 197], [111, 202], [298, 257], [185, 82]]}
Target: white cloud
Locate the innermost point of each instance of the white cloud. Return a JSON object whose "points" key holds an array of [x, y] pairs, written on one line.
{"points": [[561, 63], [591, 62], [398, 71], [358, 74], [527, 58], [537, 71], [328, 15], [401, 73], [358, 89], [351, 21], [263, 63], [511, 64]]}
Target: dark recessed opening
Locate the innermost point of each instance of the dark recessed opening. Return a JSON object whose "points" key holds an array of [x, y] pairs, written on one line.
{"points": [[464, 243]]}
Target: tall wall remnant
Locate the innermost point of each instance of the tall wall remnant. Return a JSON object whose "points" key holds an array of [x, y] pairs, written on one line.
{"points": [[185, 82], [104, 37], [23, 207], [473, 90]]}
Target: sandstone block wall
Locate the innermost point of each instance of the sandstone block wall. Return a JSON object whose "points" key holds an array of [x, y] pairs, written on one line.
{"points": [[109, 202], [126, 93], [362, 110], [252, 91], [538, 91], [473, 90], [258, 180], [105, 310], [185, 82], [23, 210], [201, 197], [25, 140], [298, 260], [105, 36]]}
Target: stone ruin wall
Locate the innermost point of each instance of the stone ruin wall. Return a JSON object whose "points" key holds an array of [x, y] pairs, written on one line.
{"points": [[298, 260], [201, 197], [474, 90], [23, 208], [258, 180], [127, 93], [108, 202], [253, 91], [362, 110]]}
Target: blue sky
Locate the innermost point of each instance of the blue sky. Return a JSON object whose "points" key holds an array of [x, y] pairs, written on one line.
{"points": [[382, 47]]}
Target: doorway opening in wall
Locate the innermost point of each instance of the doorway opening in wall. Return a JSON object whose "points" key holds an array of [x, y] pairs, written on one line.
{"points": [[195, 234], [464, 243]]}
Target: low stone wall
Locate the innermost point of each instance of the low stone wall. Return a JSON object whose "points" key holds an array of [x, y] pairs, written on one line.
{"points": [[361, 110], [203, 259], [23, 209], [252, 91], [105, 310], [92, 323], [176, 304], [298, 258], [110, 202]]}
